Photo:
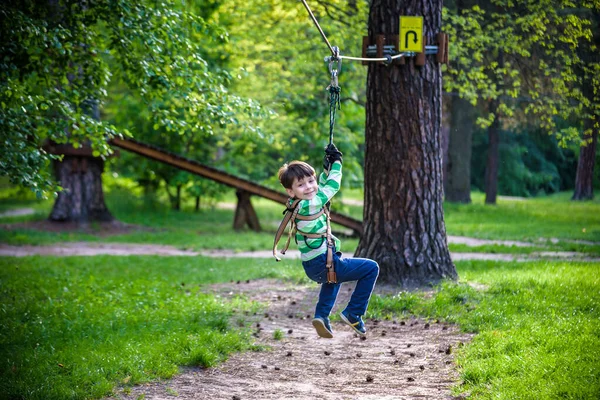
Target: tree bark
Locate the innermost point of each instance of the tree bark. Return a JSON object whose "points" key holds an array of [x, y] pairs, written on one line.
{"points": [[584, 180], [403, 228], [82, 199], [457, 182], [178, 198], [491, 169]]}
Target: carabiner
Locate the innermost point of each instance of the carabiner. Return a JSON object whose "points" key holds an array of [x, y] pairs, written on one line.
{"points": [[335, 66]]}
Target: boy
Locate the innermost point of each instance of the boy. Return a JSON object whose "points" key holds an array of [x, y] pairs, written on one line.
{"points": [[299, 180]]}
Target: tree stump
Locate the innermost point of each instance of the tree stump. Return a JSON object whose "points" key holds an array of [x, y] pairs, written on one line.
{"points": [[244, 213], [80, 174]]}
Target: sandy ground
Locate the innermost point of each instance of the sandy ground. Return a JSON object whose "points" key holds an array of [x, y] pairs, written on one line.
{"points": [[409, 359]]}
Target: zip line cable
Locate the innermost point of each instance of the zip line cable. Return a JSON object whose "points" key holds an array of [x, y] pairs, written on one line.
{"points": [[318, 26], [335, 51]]}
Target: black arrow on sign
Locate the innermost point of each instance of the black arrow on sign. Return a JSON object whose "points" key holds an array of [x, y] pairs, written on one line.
{"points": [[406, 37]]}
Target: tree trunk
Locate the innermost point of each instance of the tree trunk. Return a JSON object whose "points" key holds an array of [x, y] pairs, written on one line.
{"points": [[584, 180], [244, 213], [178, 198], [79, 173], [491, 169], [82, 199], [403, 227], [457, 182], [197, 208]]}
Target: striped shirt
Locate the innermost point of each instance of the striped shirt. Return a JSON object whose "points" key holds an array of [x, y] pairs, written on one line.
{"points": [[328, 186]]}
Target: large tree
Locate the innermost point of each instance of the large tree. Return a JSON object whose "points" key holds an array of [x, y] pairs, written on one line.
{"points": [[404, 227]]}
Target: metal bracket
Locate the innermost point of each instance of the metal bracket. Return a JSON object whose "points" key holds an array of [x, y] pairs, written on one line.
{"points": [[387, 46]]}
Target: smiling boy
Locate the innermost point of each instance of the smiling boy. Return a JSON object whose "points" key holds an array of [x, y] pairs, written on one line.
{"points": [[299, 180]]}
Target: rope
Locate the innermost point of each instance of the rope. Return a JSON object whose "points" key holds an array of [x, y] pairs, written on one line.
{"points": [[334, 105]]}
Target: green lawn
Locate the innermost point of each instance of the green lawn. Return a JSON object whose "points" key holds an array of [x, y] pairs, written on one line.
{"points": [[551, 223], [75, 327]]}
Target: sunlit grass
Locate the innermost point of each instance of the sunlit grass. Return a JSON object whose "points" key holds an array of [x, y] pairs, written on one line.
{"points": [[525, 219], [537, 325], [535, 220]]}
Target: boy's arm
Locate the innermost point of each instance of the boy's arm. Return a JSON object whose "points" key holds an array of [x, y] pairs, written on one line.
{"points": [[329, 185]]}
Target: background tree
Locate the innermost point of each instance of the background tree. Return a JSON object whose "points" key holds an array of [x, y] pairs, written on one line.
{"points": [[517, 61], [589, 78], [457, 178], [53, 69], [404, 226]]}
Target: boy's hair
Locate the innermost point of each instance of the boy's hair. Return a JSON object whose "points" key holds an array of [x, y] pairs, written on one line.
{"points": [[294, 170]]}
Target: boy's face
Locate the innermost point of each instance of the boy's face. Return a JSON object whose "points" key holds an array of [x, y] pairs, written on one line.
{"points": [[304, 188]]}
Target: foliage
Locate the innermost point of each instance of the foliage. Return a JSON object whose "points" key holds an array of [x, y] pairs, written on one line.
{"points": [[525, 56], [266, 64], [532, 163], [58, 60], [279, 54], [536, 325]]}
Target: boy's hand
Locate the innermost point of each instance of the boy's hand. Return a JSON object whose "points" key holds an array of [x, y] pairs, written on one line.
{"points": [[333, 154], [326, 163]]}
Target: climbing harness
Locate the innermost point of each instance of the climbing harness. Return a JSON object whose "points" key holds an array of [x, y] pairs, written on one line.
{"points": [[291, 215]]}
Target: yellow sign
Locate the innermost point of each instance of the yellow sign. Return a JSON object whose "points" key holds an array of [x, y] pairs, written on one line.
{"points": [[411, 34]]}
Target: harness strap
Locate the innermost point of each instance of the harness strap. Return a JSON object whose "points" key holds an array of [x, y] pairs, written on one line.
{"points": [[291, 214], [311, 217], [293, 229], [331, 275], [286, 219]]}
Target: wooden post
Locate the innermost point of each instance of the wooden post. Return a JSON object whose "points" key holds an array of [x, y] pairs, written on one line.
{"points": [[364, 49], [420, 58], [244, 213], [380, 43], [442, 54]]}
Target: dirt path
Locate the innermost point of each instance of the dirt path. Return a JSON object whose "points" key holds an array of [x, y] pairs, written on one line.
{"points": [[398, 360], [125, 249]]}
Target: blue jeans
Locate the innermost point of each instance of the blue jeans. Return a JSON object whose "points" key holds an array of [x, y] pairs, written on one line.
{"points": [[362, 270]]}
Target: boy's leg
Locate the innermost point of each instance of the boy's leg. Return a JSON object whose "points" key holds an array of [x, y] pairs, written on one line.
{"points": [[365, 272], [327, 296]]}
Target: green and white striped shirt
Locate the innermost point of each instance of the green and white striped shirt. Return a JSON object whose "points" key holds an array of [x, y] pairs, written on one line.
{"points": [[328, 187]]}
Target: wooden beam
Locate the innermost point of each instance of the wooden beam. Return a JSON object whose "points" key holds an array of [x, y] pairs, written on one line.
{"points": [[222, 177]]}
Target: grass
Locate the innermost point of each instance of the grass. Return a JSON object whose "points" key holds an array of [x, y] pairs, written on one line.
{"points": [[552, 223], [537, 327], [525, 219], [75, 327]]}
